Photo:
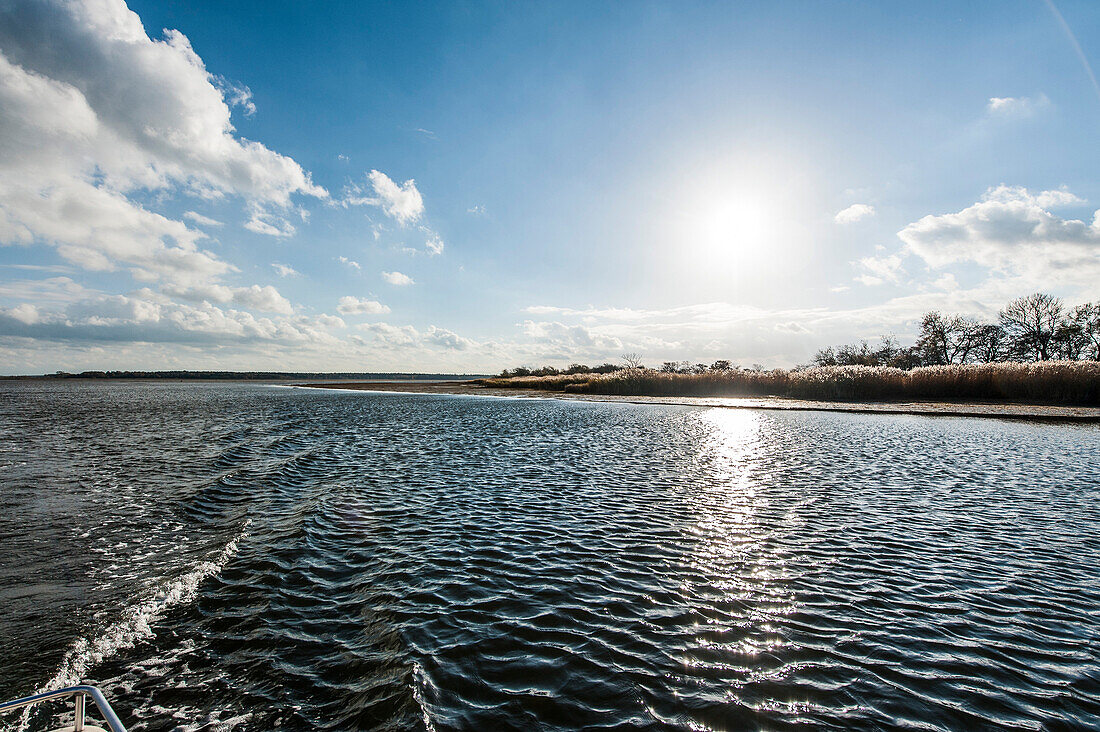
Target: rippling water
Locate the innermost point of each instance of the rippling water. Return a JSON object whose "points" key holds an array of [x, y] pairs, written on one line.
{"points": [[247, 557]]}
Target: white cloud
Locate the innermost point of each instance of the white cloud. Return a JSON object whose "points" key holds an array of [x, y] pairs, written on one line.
{"points": [[791, 327], [147, 316], [360, 306], [265, 298], [476, 210], [349, 263], [434, 245], [263, 221], [447, 339], [402, 203], [49, 290], [397, 278], [1012, 233], [1016, 106], [25, 313], [95, 115], [393, 335], [236, 95], [201, 220], [284, 270], [854, 213], [877, 270]]}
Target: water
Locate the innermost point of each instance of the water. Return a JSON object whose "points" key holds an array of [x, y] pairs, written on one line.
{"points": [[249, 557]]}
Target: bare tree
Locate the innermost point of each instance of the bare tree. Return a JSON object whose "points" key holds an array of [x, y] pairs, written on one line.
{"points": [[632, 360], [1030, 323], [989, 343], [1089, 315], [946, 339], [1078, 335]]}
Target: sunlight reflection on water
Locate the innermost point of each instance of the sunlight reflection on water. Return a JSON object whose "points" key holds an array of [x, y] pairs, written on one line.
{"points": [[739, 576]]}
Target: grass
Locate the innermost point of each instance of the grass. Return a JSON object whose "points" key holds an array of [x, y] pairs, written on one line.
{"points": [[1048, 382]]}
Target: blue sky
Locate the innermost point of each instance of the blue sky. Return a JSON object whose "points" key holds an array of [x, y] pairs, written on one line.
{"points": [[225, 185]]}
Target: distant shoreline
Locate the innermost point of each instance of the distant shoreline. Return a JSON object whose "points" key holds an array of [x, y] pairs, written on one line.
{"points": [[1038, 412]]}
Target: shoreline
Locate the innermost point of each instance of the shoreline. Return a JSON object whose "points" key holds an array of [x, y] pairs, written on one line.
{"points": [[1000, 410]]}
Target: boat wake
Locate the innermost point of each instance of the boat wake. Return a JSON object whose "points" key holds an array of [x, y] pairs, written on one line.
{"points": [[135, 623]]}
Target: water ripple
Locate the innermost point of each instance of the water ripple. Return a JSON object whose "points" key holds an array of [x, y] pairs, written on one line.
{"points": [[439, 563]]}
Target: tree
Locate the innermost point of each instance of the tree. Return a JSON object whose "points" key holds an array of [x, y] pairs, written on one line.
{"points": [[825, 357], [1029, 324], [1089, 315], [721, 366], [632, 360], [1078, 335], [946, 339], [989, 344]]}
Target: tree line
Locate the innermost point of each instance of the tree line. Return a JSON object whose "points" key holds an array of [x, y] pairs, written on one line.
{"points": [[1033, 328]]}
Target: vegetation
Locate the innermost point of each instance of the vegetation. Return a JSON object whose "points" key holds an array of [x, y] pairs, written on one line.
{"points": [[1033, 328], [1038, 351], [1062, 382]]}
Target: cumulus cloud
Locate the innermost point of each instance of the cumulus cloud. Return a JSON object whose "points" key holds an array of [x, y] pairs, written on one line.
{"points": [[393, 335], [284, 270], [99, 123], [349, 263], [93, 111], [574, 336], [350, 305], [402, 203], [1012, 231], [265, 298], [408, 337], [151, 317], [447, 339], [854, 213], [397, 278]]}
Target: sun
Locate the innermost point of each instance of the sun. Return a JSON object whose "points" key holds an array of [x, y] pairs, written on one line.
{"points": [[730, 229]]}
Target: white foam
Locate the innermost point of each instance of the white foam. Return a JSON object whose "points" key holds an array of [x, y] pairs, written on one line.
{"points": [[134, 625], [420, 679]]}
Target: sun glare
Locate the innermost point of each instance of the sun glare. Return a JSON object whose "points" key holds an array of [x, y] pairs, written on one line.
{"points": [[730, 229]]}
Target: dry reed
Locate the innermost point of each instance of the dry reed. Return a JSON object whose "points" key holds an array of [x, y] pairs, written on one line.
{"points": [[1052, 382]]}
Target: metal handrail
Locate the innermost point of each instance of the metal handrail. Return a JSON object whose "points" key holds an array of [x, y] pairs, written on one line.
{"points": [[79, 693]]}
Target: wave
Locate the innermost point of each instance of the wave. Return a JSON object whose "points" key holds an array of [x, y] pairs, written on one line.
{"points": [[134, 625]]}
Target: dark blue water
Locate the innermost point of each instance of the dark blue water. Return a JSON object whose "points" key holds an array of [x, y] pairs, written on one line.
{"points": [[248, 557]]}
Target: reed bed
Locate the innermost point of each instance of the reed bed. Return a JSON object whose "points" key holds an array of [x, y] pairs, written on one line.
{"points": [[1048, 382]]}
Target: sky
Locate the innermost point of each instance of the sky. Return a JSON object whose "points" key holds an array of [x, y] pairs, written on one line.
{"points": [[466, 187]]}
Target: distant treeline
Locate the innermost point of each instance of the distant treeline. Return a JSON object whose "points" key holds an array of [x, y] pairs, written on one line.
{"points": [[1030, 329], [1037, 351], [246, 375], [1033, 328]]}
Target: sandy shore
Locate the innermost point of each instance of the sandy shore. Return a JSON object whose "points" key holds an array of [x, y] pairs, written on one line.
{"points": [[952, 409]]}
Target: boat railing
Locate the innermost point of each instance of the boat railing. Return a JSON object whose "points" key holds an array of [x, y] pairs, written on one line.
{"points": [[80, 695]]}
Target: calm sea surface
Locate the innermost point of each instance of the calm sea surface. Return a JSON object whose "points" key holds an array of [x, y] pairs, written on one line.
{"points": [[250, 557]]}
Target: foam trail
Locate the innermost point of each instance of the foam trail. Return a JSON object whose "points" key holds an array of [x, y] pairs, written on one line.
{"points": [[134, 625], [419, 678]]}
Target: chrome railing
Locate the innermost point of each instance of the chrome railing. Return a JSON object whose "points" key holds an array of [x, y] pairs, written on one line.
{"points": [[79, 695]]}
